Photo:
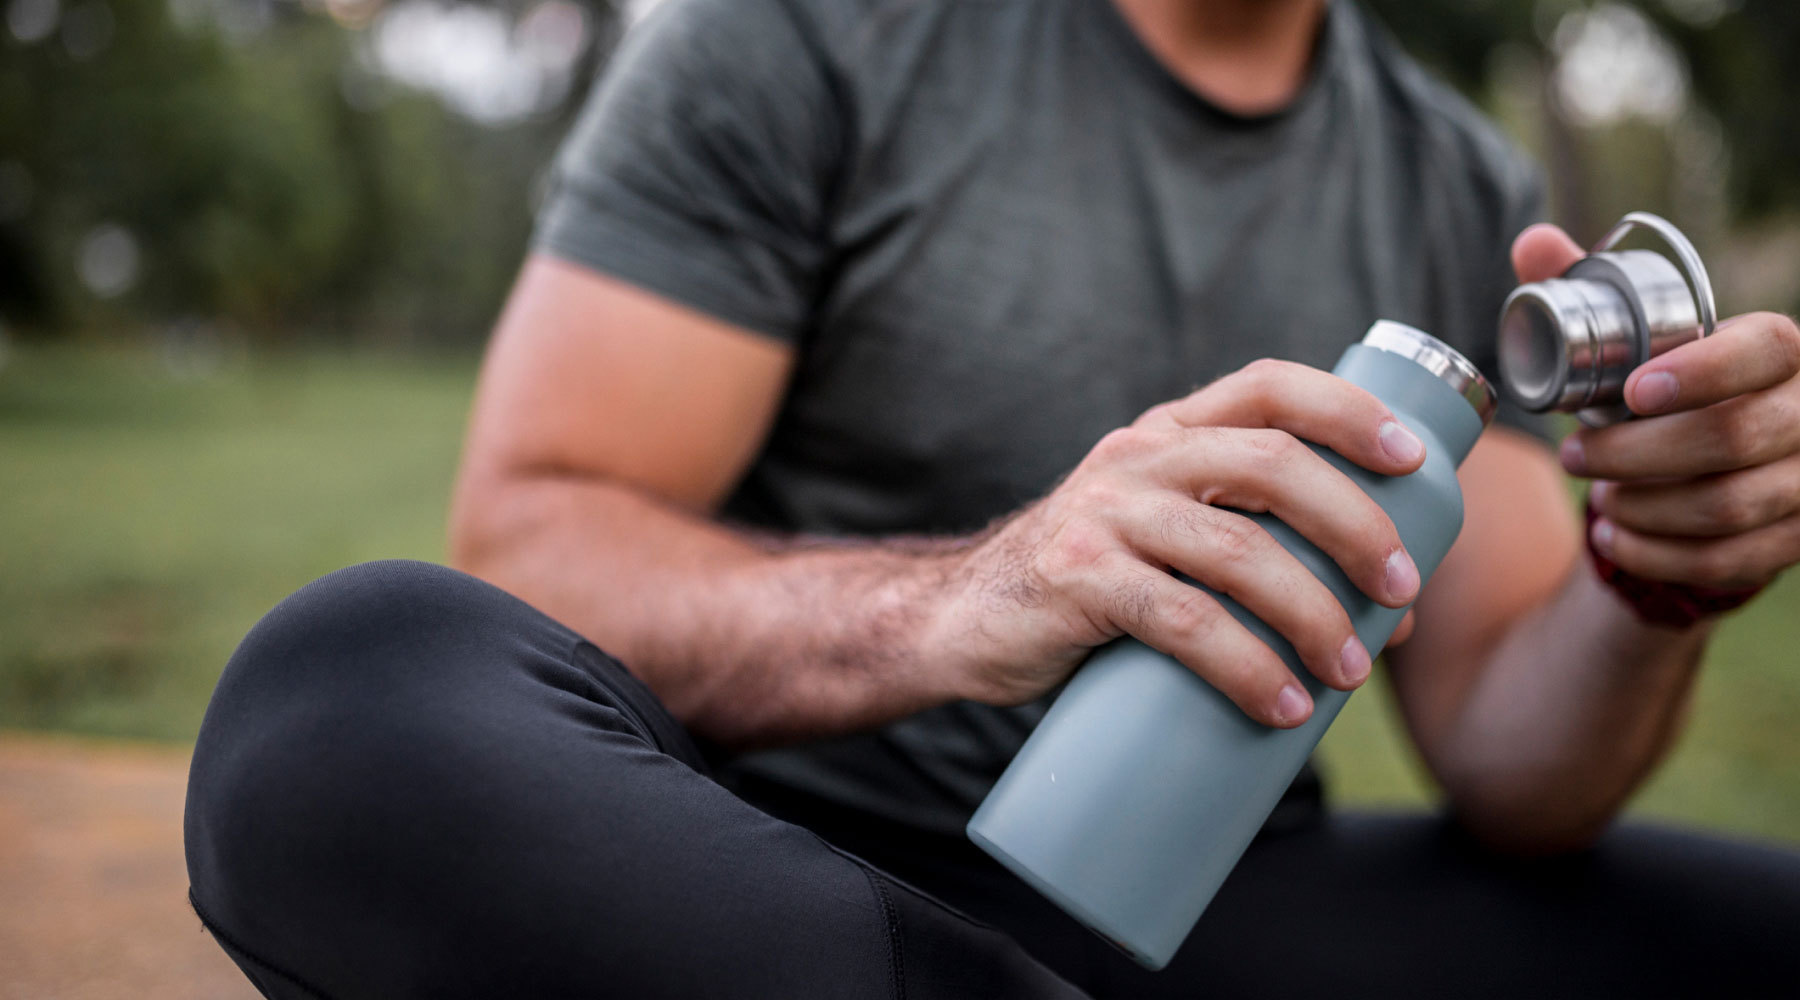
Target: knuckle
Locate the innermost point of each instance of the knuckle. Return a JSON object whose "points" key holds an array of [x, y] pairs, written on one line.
{"points": [[1358, 402], [1189, 616], [1371, 404], [1236, 540], [1211, 439], [1275, 447], [1161, 413], [1076, 550], [1370, 538], [1321, 642], [1777, 416], [1740, 432], [1375, 533], [1120, 445], [1731, 506], [1711, 566], [1784, 343], [1263, 377], [1097, 497], [1265, 371], [1178, 522], [1130, 604], [1265, 676], [1330, 622]]}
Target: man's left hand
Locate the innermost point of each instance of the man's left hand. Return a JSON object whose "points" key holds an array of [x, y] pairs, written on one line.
{"points": [[1704, 488]]}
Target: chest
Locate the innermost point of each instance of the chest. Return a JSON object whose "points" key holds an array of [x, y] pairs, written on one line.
{"points": [[1017, 273]]}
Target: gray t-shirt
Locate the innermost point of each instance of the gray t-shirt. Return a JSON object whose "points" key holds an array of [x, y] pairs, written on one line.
{"points": [[996, 230]]}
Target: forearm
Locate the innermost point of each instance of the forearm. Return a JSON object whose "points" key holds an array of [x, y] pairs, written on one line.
{"points": [[1577, 703], [749, 640]]}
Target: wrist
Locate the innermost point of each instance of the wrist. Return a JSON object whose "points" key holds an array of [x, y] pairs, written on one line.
{"points": [[1661, 602], [950, 636]]}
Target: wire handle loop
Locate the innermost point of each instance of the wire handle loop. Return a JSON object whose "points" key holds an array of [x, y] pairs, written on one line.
{"points": [[1685, 254]]}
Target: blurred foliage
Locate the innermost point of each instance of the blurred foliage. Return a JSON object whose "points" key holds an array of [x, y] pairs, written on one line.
{"points": [[274, 185], [1739, 57]]}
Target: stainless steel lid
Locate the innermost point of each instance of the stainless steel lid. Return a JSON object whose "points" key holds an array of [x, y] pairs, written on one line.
{"points": [[1570, 343], [1439, 359]]}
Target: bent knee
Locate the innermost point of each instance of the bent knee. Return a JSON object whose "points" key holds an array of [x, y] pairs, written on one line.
{"points": [[349, 694], [389, 622], [371, 607], [346, 660]]}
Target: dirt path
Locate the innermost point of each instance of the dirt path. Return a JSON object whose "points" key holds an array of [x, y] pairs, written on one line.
{"points": [[93, 888]]}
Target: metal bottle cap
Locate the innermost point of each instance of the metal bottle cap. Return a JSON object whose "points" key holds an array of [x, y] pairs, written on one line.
{"points": [[1569, 343], [1439, 359]]}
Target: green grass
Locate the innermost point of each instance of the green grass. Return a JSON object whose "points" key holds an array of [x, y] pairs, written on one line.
{"points": [[147, 521], [1736, 768]]}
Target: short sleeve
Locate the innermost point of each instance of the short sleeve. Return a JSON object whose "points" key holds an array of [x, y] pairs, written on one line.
{"points": [[701, 167]]}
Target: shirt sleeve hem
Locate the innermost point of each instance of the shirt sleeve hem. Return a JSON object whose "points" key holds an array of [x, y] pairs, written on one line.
{"points": [[588, 239]]}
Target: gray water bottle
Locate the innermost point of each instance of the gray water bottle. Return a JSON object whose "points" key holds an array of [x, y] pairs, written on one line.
{"points": [[1143, 785]]}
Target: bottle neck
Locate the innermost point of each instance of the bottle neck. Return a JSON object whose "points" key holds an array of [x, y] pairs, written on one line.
{"points": [[1419, 397]]}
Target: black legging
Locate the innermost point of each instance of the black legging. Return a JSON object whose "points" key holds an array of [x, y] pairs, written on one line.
{"points": [[410, 784]]}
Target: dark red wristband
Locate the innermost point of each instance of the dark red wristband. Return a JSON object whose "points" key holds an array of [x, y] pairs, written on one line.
{"points": [[1660, 602]]}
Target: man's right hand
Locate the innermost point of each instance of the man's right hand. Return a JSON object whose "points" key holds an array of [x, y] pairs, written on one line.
{"points": [[1091, 561], [596, 507]]}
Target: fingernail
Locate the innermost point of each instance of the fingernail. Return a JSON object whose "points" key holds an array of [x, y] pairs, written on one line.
{"points": [[1574, 456], [1402, 579], [1292, 704], [1600, 492], [1356, 661], [1656, 391], [1603, 535], [1400, 444]]}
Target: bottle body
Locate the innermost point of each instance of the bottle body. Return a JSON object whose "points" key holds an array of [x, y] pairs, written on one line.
{"points": [[1142, 786]]}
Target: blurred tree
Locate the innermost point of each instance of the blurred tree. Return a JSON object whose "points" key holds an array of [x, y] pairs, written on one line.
{"points": [[1742, 60], [250, 163], [217, 177], [1738, 56], [251, 173]]}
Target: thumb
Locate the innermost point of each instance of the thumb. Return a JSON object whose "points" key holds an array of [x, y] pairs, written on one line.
{"points": [[1543, 251]]}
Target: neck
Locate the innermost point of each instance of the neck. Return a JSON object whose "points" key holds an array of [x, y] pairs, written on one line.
{"points": [[1246, 56]]}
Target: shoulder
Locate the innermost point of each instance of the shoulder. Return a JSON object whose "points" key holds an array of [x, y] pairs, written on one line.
{"points": [[771, 48], [756, 68], [734, 31], [1454, 142]]}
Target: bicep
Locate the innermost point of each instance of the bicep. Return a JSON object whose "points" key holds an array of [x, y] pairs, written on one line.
{"points": [[1517, 546], [649, 341], [593, 378]]}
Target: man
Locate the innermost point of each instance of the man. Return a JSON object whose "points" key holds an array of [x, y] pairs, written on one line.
{"points": [[847, 401]]}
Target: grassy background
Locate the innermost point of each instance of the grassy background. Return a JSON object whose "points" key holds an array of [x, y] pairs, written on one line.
{"points": [[147, 520]]}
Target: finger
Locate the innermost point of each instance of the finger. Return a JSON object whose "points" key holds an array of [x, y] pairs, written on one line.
{"points": [[1749, 559], [1233, 555], [1745, 354], [1708, 507], [1307, 403], [1739, 433], [1270, 471], [1543, 251], [1186, 623]]}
